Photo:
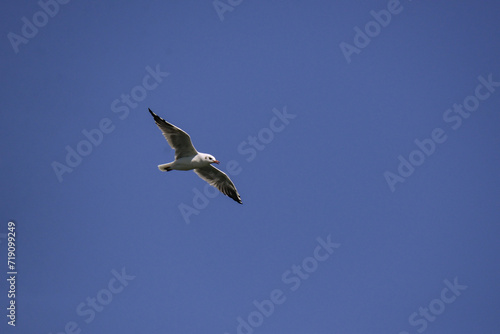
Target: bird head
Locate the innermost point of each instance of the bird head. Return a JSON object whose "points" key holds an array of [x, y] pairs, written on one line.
{"points": [[212, 159]]}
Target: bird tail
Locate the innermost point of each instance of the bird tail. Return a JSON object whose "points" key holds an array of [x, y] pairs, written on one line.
{"points": [[165, 167]]}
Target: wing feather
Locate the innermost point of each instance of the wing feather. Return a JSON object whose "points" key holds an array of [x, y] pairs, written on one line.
{"points": [[219, 180], [176, 137]]}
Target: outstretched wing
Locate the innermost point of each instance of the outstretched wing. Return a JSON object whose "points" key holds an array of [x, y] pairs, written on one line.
{"points": [[219, 180], [177, 138]]}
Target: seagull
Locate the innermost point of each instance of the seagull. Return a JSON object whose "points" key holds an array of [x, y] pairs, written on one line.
{"points": [[188, 158]]}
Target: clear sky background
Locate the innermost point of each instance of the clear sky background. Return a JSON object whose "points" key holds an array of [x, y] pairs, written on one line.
{"points": [[320, 174]]}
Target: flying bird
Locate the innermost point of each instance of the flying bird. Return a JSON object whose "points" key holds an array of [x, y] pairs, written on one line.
{"points": [[188, 158]]}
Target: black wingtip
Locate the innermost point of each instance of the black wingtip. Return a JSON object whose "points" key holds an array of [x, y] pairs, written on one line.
{"points": [[155, 116]]}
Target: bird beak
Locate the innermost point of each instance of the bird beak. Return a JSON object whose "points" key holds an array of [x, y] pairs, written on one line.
{"points": [[217, 162]]}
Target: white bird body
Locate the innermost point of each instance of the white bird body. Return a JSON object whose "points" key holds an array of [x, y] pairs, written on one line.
{"points": [[187, 163], [188, 158]]}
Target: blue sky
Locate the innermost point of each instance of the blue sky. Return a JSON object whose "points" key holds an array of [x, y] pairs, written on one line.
{"points": [[372, 207]]}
